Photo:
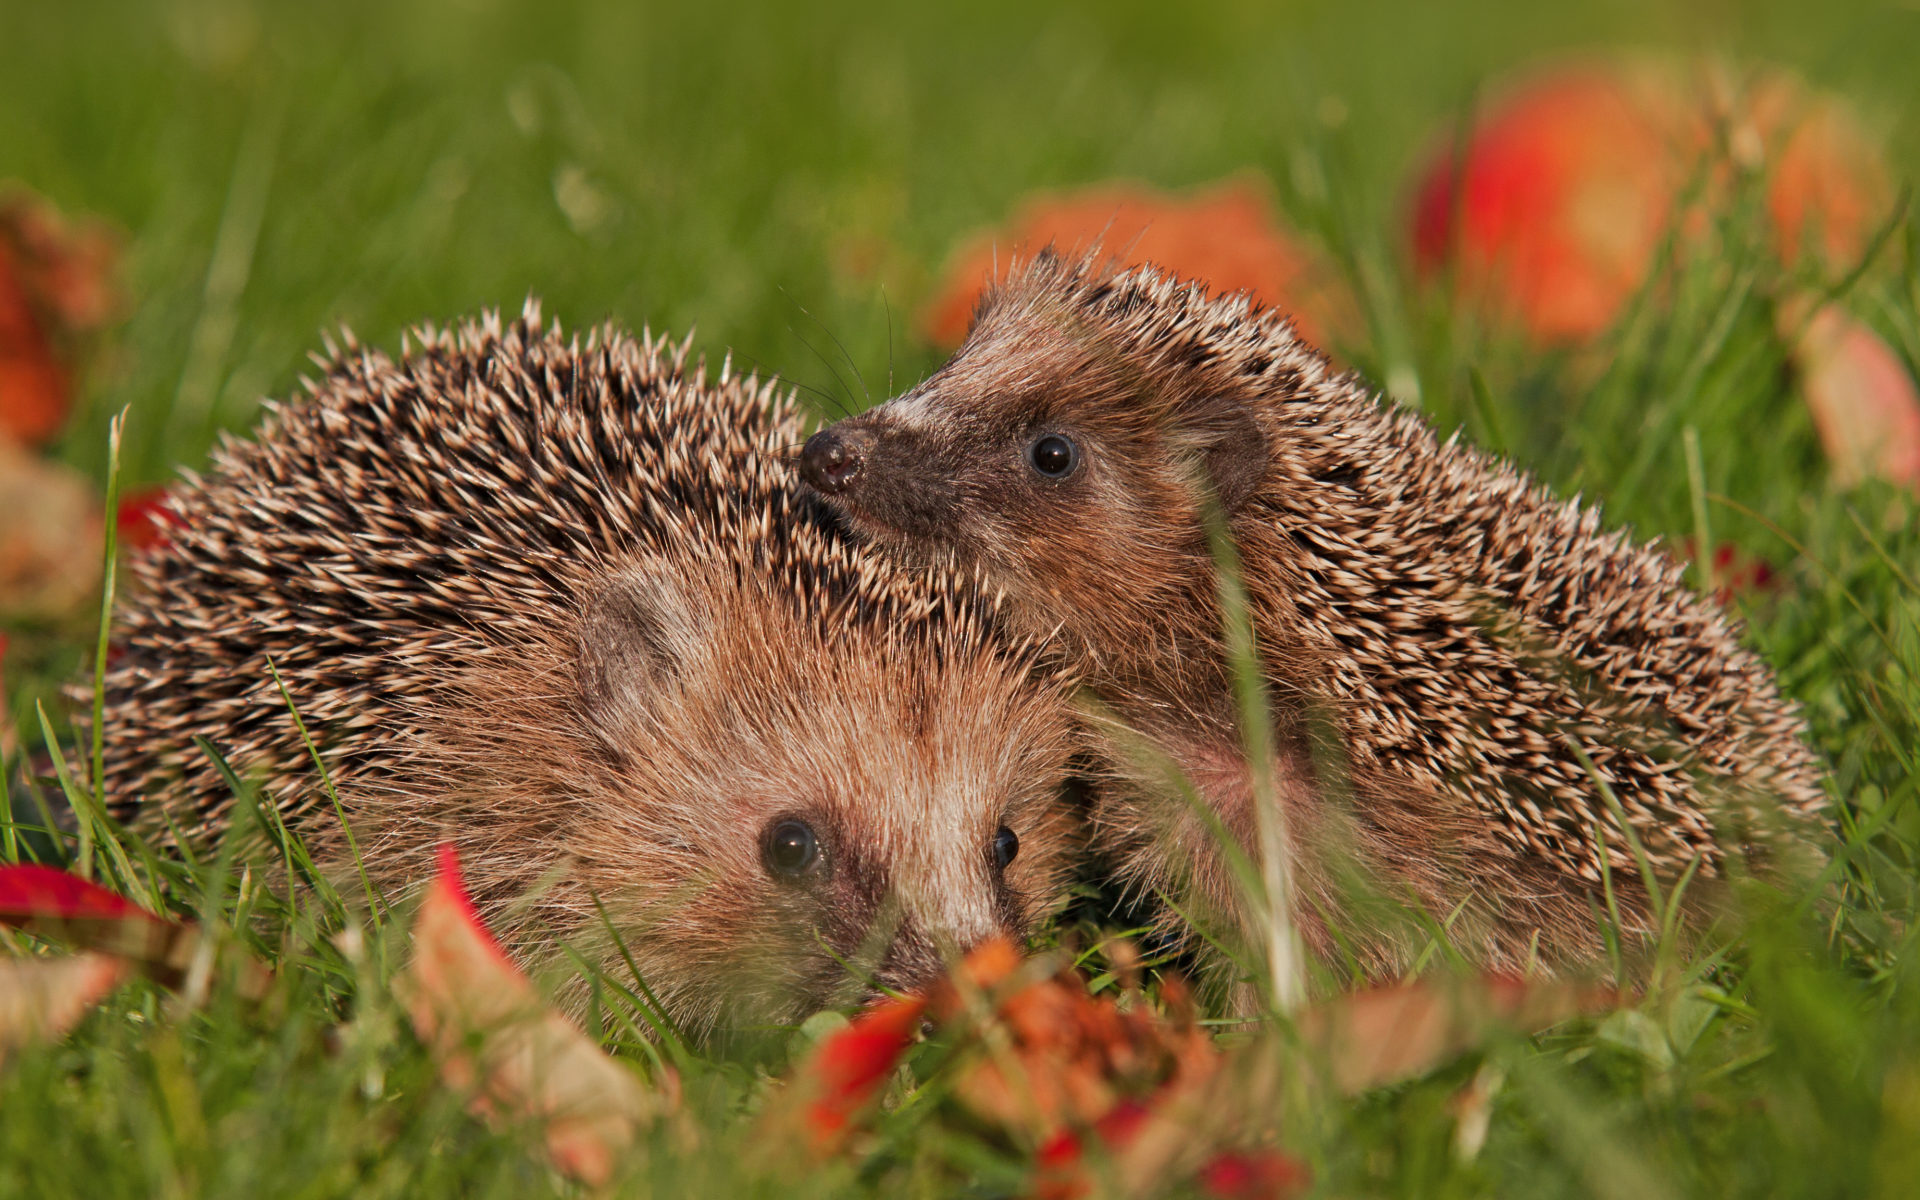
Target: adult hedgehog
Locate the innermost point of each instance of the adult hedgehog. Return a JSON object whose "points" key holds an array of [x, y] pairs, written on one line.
{"points": [[1460, 636], [561, 604]]}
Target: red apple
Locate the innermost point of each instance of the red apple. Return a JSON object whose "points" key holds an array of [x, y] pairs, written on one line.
{"points": [[1550, 213]]}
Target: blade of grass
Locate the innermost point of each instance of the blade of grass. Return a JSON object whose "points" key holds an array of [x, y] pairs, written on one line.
{"points": [[11, 841], [333, 796], [108, 575], [93, 825], [598, 979], [83, 859], [654, 1011], [1285, 954], [1697, 488], [1611, 926], [56, 837], [1619, 813], [1493, 434]]}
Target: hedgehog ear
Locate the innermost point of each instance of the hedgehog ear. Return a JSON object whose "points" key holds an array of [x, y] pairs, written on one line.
{"points": [[637, 633], [1230, 448]]}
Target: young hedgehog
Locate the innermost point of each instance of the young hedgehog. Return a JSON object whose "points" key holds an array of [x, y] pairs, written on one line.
{"points": [[562, 605], [1455, 630]]}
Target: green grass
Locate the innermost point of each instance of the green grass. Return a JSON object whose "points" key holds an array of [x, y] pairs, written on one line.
{"points": [[283, 170]]}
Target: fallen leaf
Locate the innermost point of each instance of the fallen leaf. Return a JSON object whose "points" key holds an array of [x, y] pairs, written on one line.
{"points": [[58, 906], [1225, 234], [1865, 406], [50, 547], [492, 1035], [1072, 1058], [63, 907], [1259, 1175], [42, 998], [852, 1065], [1097, 1090], [1389, 1034], [144, 518]]}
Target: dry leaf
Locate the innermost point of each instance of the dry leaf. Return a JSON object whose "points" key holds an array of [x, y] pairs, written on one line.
{"points": [[1119, 1095], [1071, 1058], [1862, 397], [42, 998], [1386, 1035], [494, 1036], [50, 539], [1225, 234]]}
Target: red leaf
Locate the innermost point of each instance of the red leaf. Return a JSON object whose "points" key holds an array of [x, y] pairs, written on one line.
{"points": [[55, 905], [1559, 198], [1258, 1175], [491, 1033], [30, 890], [852, 1064], [144, 519]]}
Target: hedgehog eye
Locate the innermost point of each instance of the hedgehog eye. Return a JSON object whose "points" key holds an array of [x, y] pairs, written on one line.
{"points": [[1006, 844], [1053, 456], [790, 848]]}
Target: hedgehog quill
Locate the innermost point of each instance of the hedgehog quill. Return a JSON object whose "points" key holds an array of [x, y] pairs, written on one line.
{"points": [[1442, 640], [561, 604]]}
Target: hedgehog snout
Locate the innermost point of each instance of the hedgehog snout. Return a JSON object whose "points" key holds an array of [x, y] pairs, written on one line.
{"points": [[832, 458]]}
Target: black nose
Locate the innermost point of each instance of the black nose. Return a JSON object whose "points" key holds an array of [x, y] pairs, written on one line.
{"points": [[832, 458]]}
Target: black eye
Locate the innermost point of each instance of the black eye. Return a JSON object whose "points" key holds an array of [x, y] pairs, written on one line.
{"points": [[790, 848], [1053, 456], [1006, 844]]}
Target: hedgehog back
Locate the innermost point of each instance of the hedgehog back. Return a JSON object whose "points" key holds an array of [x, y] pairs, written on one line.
{"points": [[410, 513]]}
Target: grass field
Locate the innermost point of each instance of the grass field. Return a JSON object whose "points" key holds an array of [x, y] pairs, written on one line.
{"points": [[788, 181]]}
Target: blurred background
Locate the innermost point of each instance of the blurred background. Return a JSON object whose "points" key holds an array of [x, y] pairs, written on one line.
{"points": [[1662, 252], [199, 190]]}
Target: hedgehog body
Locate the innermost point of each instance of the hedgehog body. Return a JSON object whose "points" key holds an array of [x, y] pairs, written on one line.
{"points": [[561, 605], [1443, 640]]}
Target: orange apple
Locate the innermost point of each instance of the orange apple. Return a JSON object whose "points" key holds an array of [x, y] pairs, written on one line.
{"points": [[1225, 233]]}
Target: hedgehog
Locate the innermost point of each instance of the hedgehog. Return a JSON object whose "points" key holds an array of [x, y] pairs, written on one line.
{"points": [[563, 606], [1462, 671]]}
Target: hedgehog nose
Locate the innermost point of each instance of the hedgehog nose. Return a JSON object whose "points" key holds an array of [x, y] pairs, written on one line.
{"points": [[832, 458]]}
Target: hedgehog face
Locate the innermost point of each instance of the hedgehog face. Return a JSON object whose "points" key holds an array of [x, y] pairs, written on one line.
{"points": [[1073, 470], [759, 805]]}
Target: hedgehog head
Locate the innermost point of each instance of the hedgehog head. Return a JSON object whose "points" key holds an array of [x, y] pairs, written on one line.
{"points": [[1073, 445], [775, 812]]}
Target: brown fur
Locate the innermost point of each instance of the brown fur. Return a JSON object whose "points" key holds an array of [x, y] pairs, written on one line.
{"points": [[562, 605], [1435, 629]]}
